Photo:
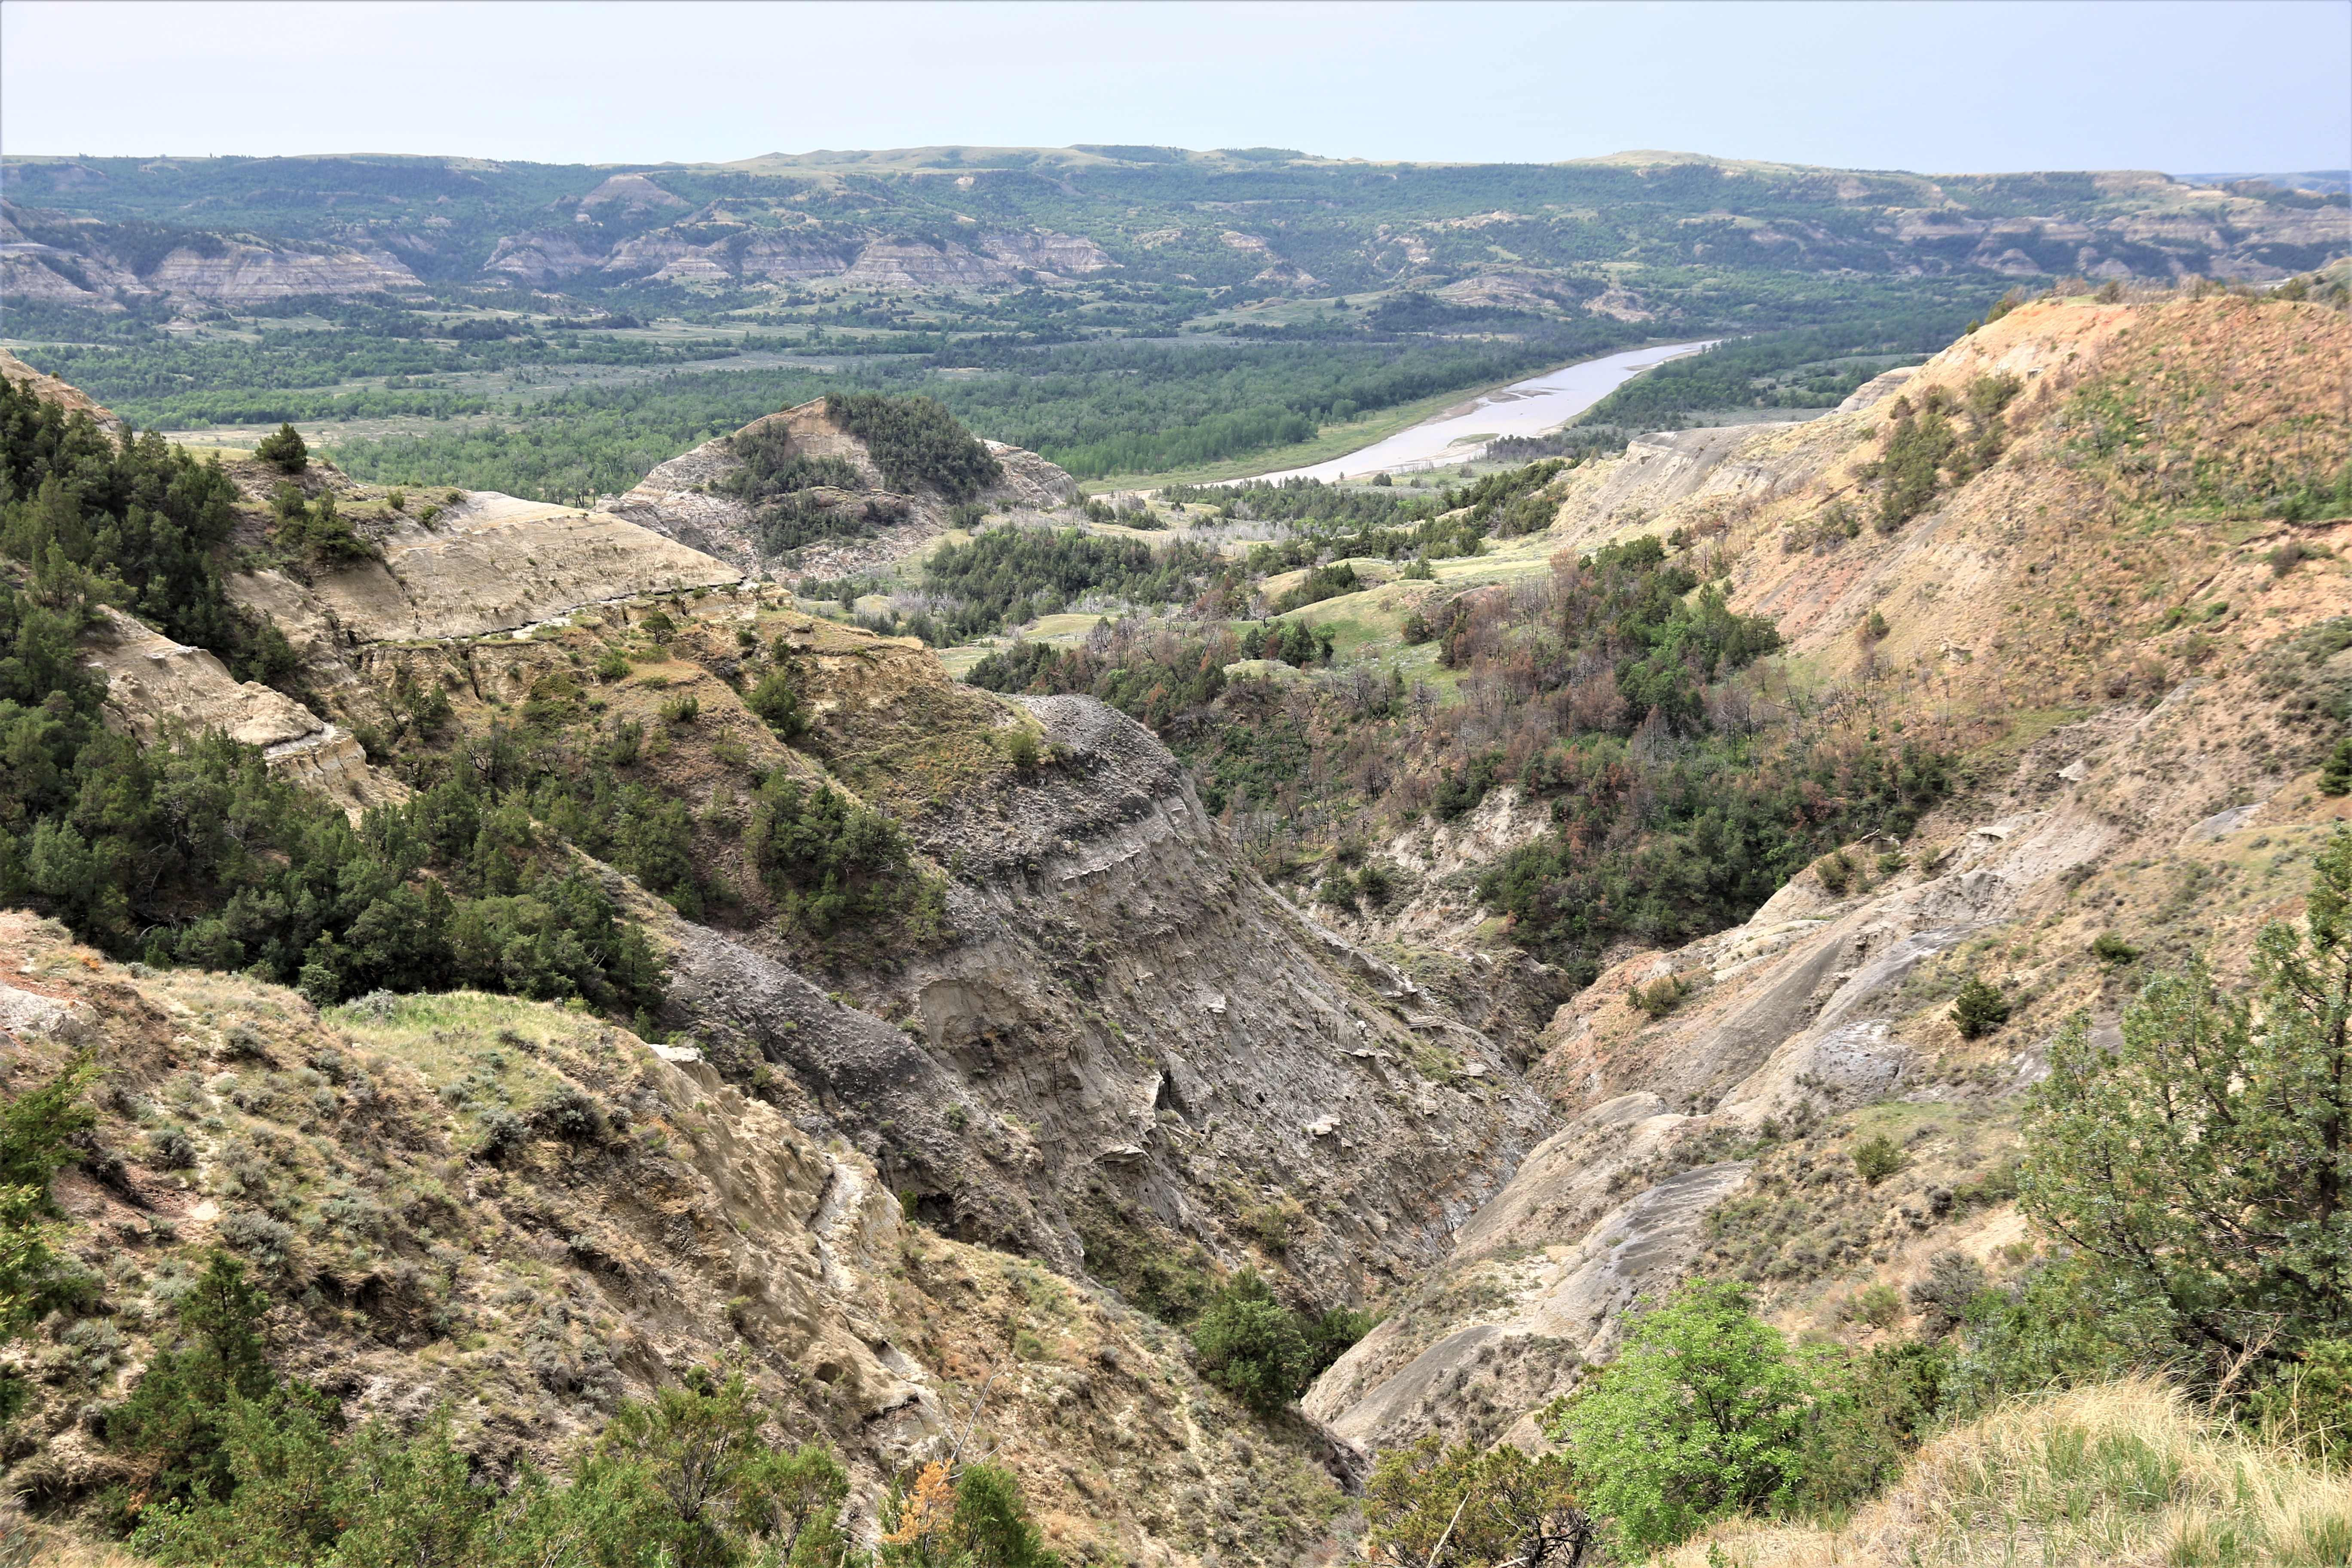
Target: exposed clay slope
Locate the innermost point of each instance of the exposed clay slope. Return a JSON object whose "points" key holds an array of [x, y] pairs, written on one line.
{"points": [[158, 689], [524, 1216], [77, 262], [686, 254], [49, 389], [681, 498], [487, 563], [2144, 756]]}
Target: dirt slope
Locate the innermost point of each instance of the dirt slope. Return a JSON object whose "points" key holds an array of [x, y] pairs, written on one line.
{"points": [[524, 1215], [2151, 685]]}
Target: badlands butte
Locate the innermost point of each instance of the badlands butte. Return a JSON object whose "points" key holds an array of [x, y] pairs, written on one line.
{"points": [[969, 1156]]}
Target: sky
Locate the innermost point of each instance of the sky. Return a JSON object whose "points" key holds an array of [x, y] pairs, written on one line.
{"points": [[2181, 86]]}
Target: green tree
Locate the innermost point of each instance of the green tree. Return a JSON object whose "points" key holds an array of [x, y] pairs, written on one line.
{"points": [[969, 1517], [1979, 1009], [2336, 775], [176, 1428], [2206, 1162], [704, 1486], [1703, 1415], [777, 701], [1252, 1346], [286, 1477], [1434, 1506], [1875, 1158], [34, 1130], [285, 451]]}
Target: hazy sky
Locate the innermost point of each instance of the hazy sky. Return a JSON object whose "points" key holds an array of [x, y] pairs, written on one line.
{"points": [[2182, 86]]}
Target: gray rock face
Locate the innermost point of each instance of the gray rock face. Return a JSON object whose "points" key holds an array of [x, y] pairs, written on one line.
{"points": [[1136, 1043], [241, 274], [760, 255], [1170, 1027], [80, 270]]}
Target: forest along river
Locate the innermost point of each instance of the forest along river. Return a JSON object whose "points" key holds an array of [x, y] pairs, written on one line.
{"points": [[1523, 408]]}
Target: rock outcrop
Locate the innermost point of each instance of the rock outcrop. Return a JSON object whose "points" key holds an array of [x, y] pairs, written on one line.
{"points": [[161, 691], [77, 262], [487, 563], [686, 254], [238, 273], [49, 389]]}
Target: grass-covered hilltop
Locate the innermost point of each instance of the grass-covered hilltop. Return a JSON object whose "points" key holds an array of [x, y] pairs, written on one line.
{"points": [[683, 885]]}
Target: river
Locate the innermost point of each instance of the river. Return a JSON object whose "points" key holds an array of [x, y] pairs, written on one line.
{"points": [[1523, 408]]}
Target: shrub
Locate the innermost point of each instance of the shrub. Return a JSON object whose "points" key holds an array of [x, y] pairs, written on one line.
{"points": [[1870, 1412], [1659, 997], [285, 451], [1875, 1158], [2335, 775], [1321, 583], [172, 1431], [1944, 1294], [1979, 1009], [1702, 1416], [2110, 949], [830, 861], [969, 1518], [1879, 1305], [682, 710], [2307, 1406], [2200, 1161], [35, 1127], [684, 1478], [611, 666], [777, 702], [318, 531], [1252, 1346]]}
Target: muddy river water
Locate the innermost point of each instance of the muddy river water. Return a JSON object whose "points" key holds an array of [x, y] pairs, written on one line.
{"points": [[1523, 408]]}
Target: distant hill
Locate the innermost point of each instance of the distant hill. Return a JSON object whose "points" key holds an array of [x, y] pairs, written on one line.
{"points": [[1258, 221], [2321, 182]]}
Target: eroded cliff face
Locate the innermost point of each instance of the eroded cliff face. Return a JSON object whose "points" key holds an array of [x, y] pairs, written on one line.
{"points": [[1196, 1061], [49, 389], [221, 271], [890, 1178], [490, 562], [686, 254], [2155, 672], [162, 691], [1128, 1051]]}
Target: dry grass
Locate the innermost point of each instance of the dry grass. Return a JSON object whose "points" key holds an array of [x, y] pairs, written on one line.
{"points": [[2126, 1473], [29, 1543]]}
